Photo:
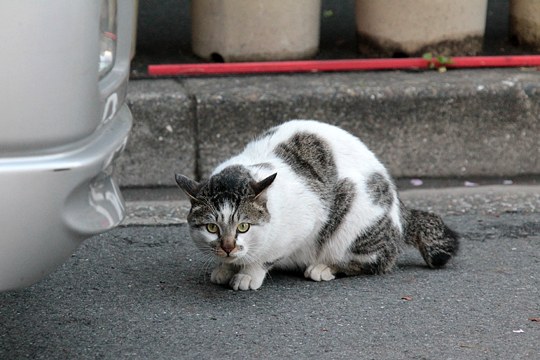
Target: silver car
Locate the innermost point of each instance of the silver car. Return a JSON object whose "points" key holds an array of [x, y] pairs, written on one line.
{"points": [[63, 121]]}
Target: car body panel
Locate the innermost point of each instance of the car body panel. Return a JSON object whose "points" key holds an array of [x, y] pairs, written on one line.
{"points": [[61, 130]]}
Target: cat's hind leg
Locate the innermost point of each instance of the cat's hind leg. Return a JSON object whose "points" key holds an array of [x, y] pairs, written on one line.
{"points": [[374, 251], [377, 263], [365, 260]]}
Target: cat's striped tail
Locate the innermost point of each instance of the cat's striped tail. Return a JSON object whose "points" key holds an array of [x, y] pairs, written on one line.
{"points": [[431, 236]]}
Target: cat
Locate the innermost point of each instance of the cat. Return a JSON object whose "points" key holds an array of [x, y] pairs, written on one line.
{"points": [[309, 196]]}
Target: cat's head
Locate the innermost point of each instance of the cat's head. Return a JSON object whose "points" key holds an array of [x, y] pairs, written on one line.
{"points": [[228, 213]]}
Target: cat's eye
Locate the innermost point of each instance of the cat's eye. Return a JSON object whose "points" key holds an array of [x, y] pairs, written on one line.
{"points": [[243, 227], [212, 228]]}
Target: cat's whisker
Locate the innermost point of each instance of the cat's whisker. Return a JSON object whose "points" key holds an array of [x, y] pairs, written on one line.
{"points": [[209, 262], [202, 258]]}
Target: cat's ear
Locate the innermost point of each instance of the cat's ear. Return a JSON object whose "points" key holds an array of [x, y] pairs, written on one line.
{"points": [[259, 187], [190, 187]]}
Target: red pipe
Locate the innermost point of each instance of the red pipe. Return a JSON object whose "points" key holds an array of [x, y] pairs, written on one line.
{"points": [[340, 65]]}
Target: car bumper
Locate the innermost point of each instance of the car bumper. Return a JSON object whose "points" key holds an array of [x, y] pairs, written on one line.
{"points": [[52, 202]]}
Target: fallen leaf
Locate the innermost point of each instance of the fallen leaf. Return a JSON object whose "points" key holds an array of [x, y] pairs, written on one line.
{"points": [[406, 298], [534, 319]]}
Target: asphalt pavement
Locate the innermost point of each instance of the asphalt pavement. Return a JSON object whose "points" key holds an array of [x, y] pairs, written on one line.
{"points": [[142, 291]]}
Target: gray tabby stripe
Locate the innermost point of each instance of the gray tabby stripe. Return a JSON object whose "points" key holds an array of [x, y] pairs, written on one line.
{"points": [[380, 190], [344, 194], [377, 237], [311, 159], [269, 264]]}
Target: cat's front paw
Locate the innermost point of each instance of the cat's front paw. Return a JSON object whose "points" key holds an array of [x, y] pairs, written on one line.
{"points": [[319, 272], [246, 282], [222, 274]]}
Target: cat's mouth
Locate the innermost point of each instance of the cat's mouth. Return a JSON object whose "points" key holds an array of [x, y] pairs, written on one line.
{"points": [[230, 259], [228, 254]]}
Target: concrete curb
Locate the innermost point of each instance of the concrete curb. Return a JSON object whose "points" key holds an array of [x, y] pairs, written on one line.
{"points": [[425, 124]]}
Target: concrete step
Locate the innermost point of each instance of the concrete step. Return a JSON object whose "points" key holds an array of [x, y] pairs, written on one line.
{"points": [[492, 200], [461, 123]]}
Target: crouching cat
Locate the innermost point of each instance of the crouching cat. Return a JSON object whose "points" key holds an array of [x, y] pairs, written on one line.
{"points": [[307, 195]]}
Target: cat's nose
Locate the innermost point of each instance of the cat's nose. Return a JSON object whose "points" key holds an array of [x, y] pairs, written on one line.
{"points": [[227, 249], [228, 246]]}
